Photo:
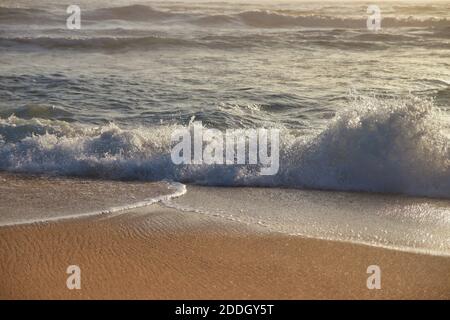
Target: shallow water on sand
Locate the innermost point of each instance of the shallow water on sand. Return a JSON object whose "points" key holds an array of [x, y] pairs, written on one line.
{"points": [[26, 199], [392, 221]]}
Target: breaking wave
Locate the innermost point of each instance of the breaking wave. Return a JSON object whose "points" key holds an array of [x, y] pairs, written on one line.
{"points": [[377, 145], [268, 19], [251, 18]]}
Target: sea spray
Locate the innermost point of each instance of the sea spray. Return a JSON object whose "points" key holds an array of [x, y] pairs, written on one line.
{"points": [[375, 145]]}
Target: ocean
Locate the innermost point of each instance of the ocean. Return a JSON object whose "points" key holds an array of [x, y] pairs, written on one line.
{"points": [[358, 110]]}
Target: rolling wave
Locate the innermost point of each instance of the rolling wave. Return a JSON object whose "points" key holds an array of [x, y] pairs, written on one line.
{"points": [[22, 15], [130, 13], [95, 43], [267, 19], [37, 111], [250, 18], [363, 40], [392, 146]]}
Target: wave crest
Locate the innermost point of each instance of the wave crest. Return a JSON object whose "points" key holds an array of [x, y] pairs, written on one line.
{"points": [[395, 146], [97, 43], [379, 146], [275, 20], [257, 18], [250, 18], [135, 12]]}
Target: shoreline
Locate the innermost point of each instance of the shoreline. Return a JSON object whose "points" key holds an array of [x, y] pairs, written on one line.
{"points": [[43, 198], [161, 253]]}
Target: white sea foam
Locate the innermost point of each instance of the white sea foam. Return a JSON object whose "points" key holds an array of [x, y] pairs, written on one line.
{"points": [[376, 145]]}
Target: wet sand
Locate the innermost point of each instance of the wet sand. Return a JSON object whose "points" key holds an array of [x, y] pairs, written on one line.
{"points": [[25, 198], [160, 253]]}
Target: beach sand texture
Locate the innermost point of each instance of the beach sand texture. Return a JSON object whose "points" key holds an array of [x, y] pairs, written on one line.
{"points": [[156, 252]]}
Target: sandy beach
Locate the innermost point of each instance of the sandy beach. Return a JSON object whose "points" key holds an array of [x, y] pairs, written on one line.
{"points": [[224, 149], [160, 253]]}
